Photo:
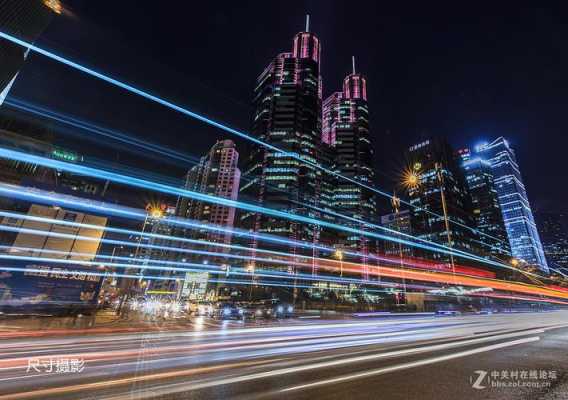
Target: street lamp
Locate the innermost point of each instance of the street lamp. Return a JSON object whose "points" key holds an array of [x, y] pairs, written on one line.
{"points": [[395, 202], [411, 178], [156, 213], [440, 179]]}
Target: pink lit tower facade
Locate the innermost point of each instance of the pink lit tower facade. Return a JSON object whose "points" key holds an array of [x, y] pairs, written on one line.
{"points": [[287, 114], [346, 129]]}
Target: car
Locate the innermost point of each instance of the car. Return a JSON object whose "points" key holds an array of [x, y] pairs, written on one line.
{"points": [[283, 310], [229, 311], [448, 312], [204, 310]]}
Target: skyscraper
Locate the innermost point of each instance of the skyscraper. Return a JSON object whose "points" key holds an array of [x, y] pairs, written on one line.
{"points": [[485, 202], [553, 229], [25, 19], [346, 128], [437, 189], [398, 222], [330, 117], [517, 214], [287, 114], [216, 174]]}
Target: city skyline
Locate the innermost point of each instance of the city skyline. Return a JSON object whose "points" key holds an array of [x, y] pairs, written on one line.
{"points": [[300, 199], [233, 98]]}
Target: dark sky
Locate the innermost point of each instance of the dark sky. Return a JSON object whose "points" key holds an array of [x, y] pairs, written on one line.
{"points": [[470, 72]]}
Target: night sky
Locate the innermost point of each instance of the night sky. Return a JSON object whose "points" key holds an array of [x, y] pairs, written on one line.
{"points": [[469, 72]]}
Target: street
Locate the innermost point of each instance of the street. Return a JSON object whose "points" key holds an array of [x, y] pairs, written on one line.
{"points": [[402, 357]]}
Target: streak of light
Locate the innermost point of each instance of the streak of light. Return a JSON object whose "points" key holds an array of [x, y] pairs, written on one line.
{"points": [[101, 131], [413, 364], [159, 278], [208, 121], [462, 280], [18, 104], [159, 187], [352, 267], [328, 364], [104, 384], [394, 260], [37, 195], [337, 341]]}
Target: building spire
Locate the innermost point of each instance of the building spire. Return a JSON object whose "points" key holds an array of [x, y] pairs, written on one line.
{"points": [[307, 22], [353, 62]]}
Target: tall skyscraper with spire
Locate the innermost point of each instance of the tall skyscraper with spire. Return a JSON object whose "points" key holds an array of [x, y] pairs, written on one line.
{"points": [[346, 128], [287, 115]]}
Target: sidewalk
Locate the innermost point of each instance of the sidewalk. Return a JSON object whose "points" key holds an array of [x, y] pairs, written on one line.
{"points": [[104, 321]]}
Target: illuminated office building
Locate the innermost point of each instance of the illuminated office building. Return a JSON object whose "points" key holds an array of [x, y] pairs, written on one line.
{"points": [[346, 128], [553, 229], [485, 205], [441, 203], [330, 116], [216, 174], [287, 114], [25, 19], [397, 222], [517, 214]]}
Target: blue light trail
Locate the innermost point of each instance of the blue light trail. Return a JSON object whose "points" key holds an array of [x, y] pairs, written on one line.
{"points": [[165, 278], [159, 187], [306, 258], [199, 117], [209, 268], [170, 238], [101, 131]]}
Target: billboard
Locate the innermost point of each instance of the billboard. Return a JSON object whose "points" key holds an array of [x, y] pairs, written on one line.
{"points": [[28, 283]]}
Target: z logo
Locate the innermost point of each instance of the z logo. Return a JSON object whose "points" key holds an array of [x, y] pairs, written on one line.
{"points": [[478, 382]]}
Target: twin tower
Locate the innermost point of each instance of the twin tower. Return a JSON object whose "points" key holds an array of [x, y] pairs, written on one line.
{"points": [[317, 137]]}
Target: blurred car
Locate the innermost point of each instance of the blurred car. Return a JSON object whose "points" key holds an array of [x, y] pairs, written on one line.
{"points": [[204, 310], [229, 311], [448, 312], [267, 309], [283, 310]]}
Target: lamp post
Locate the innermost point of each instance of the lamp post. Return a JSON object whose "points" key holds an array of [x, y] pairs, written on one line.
{"points": [[339, 255], [395, 202], [440, 178]]}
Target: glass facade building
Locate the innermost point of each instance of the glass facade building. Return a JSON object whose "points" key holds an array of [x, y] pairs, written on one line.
{"points": [[485, 204], [517, 214], [287, 114], [440, 195], [346, 128], [553, 229]]}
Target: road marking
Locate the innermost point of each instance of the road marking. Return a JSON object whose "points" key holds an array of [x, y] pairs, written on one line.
{"points": [[414, 364], [342, 340], [181, 387], [42, 393]]}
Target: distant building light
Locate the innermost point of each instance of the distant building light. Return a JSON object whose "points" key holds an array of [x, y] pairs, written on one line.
{"points": [[53, 5], [64, 155], [479, 147]]}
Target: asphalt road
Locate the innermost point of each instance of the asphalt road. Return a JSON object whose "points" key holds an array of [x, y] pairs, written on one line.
{"points": [[501, 356]]}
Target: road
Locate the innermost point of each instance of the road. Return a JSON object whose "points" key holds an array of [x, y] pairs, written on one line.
{"points": [[415, 357]]}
